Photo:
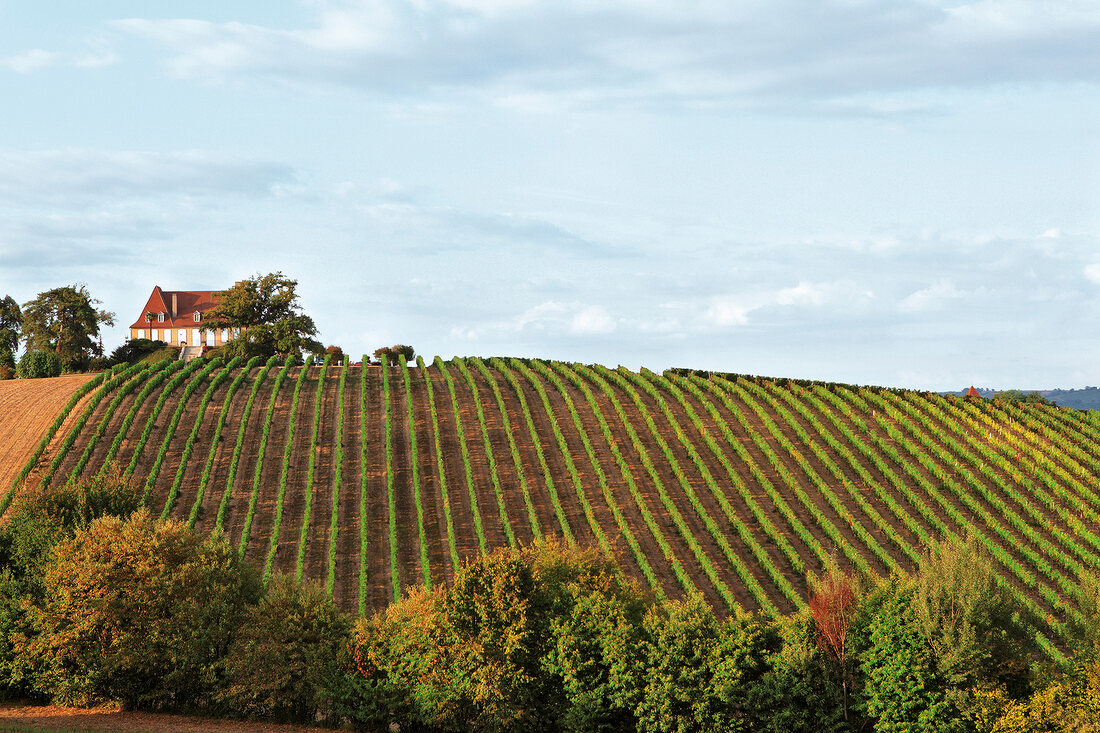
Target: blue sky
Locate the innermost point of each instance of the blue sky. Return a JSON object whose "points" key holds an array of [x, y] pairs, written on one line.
{"points": [[874, 191]]}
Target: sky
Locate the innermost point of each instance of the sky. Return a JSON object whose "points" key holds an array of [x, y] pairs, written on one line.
{"points": [[892, 192]]}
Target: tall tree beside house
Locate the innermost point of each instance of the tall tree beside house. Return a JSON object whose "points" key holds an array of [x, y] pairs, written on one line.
{"points": [[265, 308], [66, 321]]}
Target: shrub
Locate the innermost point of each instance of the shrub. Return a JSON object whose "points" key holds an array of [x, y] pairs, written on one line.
{"points": [[41, 518], [484, 653], [136, 611], [287, 647], [36, 364], [408, 353], [699, 673], [136, 350]]}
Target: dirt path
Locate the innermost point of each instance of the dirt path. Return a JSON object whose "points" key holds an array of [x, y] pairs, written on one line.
{"points": [[21, 716]]}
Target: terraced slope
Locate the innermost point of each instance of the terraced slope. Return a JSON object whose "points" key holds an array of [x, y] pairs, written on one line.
{"points": [[373, 479]]}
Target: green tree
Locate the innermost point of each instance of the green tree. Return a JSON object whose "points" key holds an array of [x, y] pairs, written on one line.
{"points": [[701, 674], [286, 648], [66, 322], [11, 324], [266, 310]]}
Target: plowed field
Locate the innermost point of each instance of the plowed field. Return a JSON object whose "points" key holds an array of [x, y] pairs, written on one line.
{"points": [[27, 407]]}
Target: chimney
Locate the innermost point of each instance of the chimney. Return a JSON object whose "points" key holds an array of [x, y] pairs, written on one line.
{"points": [[173, 306]]}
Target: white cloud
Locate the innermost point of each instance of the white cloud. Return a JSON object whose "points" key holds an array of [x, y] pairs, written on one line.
{"points": [[29, 61], [37, 59], [935, 295], [540, 55], [592, 320], [549, 318], [726, 310], [75, 176], [1092, 272]]}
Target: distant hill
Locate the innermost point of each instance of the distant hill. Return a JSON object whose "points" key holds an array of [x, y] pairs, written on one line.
{"points": [[1079, 399]]}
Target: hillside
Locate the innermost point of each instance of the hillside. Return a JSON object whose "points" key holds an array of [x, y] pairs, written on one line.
{"points": [[372, 479]]}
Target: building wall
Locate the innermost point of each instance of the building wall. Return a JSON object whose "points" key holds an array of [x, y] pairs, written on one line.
{"points": [[191, 336]]}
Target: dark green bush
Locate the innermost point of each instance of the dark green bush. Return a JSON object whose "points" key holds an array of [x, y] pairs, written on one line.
{"points": [[289, 645], [36, 364], [136, 350]]}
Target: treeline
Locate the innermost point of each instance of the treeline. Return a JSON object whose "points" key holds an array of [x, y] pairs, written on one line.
{"points": [[102, 602]]}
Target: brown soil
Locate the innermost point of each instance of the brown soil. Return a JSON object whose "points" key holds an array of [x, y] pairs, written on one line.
{"points": [[27, 407], [58, 718]]}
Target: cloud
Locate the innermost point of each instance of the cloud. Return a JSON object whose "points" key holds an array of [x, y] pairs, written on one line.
{"points": [[407, 214], [37, 59], [76, 176], [732, 310], [618, 52], [549, 318], [1092, 272], [936, 295]]}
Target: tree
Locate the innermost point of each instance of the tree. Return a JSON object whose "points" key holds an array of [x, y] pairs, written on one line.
{"points": [[66, 322], [285, 649], [833, 606], [11, 324], [266, 310], [136, 611], [396, 351]]}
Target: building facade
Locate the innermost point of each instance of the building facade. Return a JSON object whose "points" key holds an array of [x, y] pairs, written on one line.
{"points": [[177, 317]]}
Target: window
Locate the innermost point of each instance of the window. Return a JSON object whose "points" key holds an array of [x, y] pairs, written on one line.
{"points": [[225, 335], [197, 316], [155, 335], [141, 333], [160, 317]]}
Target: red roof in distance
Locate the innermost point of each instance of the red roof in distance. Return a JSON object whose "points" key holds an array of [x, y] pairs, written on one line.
{"points": [[187, 302], [973, 392]]}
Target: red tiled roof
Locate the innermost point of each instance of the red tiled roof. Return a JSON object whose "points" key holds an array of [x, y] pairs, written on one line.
{"points": [[187, 302], [972, 392]]}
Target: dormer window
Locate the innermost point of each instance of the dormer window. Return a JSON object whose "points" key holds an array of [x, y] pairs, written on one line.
{"points": [[160, 317], [197, 316]]}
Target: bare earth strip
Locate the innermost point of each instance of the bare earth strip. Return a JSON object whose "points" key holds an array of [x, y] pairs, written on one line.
{"points": [[18, 716], [27, 407]]}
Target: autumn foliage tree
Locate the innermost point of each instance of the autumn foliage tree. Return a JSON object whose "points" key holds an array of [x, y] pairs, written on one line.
{"points": [[136, 611], [834, 601]]}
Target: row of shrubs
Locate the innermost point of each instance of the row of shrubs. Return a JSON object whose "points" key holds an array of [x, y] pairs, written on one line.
{"points": [[101, 602], [38, 364]]}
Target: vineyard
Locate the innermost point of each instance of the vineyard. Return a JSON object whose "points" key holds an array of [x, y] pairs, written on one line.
{"points": [[377, 478]]}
